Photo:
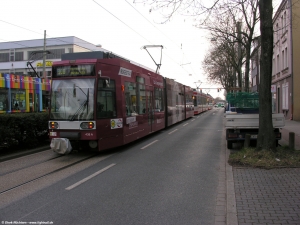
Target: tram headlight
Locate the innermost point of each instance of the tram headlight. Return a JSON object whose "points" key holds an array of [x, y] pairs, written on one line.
{"points": [[87, 125], [53, 125]]}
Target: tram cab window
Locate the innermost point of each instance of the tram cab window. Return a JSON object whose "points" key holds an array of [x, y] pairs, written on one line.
{"points": [[130, 99], [159, 101], [106, 99]]}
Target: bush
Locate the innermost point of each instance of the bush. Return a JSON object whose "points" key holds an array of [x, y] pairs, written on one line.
{"points": [[23, 130]]}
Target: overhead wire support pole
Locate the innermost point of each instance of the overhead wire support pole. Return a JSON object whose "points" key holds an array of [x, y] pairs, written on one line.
{"points": [[44, 56], [154, 46]]}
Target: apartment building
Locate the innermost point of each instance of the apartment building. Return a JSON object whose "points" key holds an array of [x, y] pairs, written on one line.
{"points": [[285, 65], [286, 54]]}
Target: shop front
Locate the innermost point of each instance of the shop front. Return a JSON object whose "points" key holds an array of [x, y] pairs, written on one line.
{"points": [[23, 93]]}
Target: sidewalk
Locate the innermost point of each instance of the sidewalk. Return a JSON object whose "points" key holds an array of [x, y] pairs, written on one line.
{"points": [[265, 196], [290, 126]]}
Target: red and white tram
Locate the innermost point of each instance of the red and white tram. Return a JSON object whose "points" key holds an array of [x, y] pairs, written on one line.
{"points": [[202, 102], [103, 101]]}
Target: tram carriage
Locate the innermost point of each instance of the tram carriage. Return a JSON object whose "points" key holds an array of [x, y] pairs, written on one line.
{"points": [[201, 102], [103, 101]]}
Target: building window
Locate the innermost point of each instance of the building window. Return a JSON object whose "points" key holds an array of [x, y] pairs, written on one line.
{"points": [[4, 57], [286, 58], [18, 99], [278, 64], [273, 67], [282, 25], [19, 56], [284, 22], [4, 104], [19, 73], [285, 96], [283, 61], [54, 54], [277, 32]]}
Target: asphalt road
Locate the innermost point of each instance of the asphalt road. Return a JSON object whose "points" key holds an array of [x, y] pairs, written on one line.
{"points": [[170, 177]]}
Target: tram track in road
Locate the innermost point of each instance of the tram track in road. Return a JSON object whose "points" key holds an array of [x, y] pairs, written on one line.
{"points": [[5, 169], [19, 178], [45, 165]]}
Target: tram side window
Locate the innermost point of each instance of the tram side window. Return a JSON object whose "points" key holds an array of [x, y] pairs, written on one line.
{"points": [[130, 99], [188, 99], [199, 100], [141, 95], [195, 100], [106, 99], [159, 100], [202, 100]]}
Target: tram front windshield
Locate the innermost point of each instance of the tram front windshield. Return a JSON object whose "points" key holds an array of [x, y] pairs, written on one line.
{"points": [[72, 99]]}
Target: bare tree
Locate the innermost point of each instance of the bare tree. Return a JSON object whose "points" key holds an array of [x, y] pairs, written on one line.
{"points": [[220, 64], [236, 25], [266, 138]]}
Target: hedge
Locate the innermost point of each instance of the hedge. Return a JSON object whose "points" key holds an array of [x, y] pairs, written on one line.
{"points": [[23, 130]]}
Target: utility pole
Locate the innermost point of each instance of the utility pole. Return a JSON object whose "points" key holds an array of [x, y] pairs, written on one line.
{"points": [[44, 57]]}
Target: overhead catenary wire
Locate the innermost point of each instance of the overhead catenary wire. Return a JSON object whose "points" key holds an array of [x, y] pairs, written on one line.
{"points": [[176, 44], [21, 27], [137, 32]]}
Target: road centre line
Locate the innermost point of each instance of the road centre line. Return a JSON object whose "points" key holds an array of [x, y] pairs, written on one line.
{"points": [[173, 131], [149, 144], [89, 177], [192, 120], [185, 124]]}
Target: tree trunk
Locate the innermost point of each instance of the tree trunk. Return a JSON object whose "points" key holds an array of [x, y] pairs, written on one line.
{"points": [[266, 136]]}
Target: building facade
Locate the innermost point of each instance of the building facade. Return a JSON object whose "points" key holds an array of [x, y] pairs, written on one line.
{"points": [[23, 85], [286, 52], [285, 65]]}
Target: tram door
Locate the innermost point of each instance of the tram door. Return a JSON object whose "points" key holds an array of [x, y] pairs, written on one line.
{"points": [[150, 110]]}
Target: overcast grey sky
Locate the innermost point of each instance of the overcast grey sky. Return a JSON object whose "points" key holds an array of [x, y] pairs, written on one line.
{"points": [[119, 26]]}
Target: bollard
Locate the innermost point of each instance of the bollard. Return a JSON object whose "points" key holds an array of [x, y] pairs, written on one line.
{"points": [[247, 140], [292, 140]]}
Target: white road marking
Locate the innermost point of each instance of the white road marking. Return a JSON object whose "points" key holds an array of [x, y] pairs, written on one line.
{"points": [[173, 131], [193, 120], [149, 144], [89, 177], [185, 124]]}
